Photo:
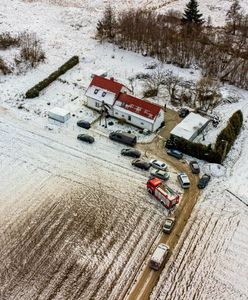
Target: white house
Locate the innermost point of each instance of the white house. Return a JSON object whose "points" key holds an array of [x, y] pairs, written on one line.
{"points": [[121, 105], [190, 127], [138, 112], [103, 89]]}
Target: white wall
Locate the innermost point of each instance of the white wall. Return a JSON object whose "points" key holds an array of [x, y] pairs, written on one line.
{"points": [[159, 120], [92, 103], [134, 120]]}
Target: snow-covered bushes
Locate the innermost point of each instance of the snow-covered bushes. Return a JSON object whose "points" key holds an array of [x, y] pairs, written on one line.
{"points": [[34, 91]]}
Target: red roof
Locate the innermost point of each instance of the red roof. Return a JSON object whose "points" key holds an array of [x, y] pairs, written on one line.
{"points": [[138, 106], [107, 84]]}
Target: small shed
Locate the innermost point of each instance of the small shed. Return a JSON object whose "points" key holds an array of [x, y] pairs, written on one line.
{"points": [[190, 127], [59, 114]]}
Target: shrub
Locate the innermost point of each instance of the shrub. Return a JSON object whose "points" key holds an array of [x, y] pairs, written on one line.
{"points": [[7, 41], [151, 93], [4, 68], [34, 91]]}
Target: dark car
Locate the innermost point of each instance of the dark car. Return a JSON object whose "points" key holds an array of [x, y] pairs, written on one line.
{"points": [[177, 154], [183, 112], [169, 144], [203, 182], [194, 167], [141, 164], [131, 152], [83, 124], [86, 138], [123, 137]]}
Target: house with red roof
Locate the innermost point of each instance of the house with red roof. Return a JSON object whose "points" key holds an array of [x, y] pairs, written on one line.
{"points": [[103, 90], [121, 105]]}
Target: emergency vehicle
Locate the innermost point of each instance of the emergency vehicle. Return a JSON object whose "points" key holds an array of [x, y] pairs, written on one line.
{"points": [[162, 192]]}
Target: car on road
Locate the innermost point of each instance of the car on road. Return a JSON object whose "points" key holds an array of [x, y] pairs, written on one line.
{"points": [[131, 152], [183, 112], [203, 181], [194, 167], [183, 180], [169, 224], [159, 174], [141, 164], [159, 256], [83, 124], [158, 164], [86, 138], [175, 153]]}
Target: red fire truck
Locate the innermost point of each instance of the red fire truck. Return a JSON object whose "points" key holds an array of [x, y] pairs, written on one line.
{"points": [[162, 192]]}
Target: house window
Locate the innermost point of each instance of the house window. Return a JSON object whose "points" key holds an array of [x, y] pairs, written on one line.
{"points": [[96, 91], [116, 113], [103, 94], [142, 123], [97, 104], [123, 116], [129, 118]]}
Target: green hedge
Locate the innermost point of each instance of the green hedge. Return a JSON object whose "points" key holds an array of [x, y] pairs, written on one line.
{"points": [[34, 91], [223, 144]]}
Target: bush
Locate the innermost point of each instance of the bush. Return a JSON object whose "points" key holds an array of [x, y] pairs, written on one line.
{"points": [[4, 68], [151, 93], [7, 41], [34, 91]]}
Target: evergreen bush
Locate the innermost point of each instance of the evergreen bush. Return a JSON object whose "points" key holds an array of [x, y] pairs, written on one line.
{"points": [[34, 91]]}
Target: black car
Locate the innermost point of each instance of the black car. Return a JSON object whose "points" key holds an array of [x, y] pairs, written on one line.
{"points": [[194, 167], [131, 152], [183, 112], [83, 124], [141, 164], [86, 138], [203, 182], [177, 154]]}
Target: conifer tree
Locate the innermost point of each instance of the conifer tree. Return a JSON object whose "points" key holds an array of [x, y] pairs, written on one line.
{"points": [[191, 13]]}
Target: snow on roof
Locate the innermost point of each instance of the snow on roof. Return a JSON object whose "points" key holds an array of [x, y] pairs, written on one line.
{"points": [[107, 84], [191, 124], [59, 111], [101, 94], [137, 106]]}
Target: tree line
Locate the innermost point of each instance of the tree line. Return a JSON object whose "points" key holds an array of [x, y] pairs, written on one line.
{"points": [[184, 40]]}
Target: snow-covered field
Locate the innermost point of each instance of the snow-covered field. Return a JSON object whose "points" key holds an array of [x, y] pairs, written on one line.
{"points": [[75, 219]]}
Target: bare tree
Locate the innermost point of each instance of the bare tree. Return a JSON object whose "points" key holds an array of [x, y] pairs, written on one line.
{"points": [[171, 83], [233, 16]]}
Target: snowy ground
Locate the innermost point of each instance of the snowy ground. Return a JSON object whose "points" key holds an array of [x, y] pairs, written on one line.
{"points": [[53, 187]]}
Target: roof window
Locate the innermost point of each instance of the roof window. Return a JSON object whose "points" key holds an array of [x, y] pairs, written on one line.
{"points": [[96, 91], [103, 94]]}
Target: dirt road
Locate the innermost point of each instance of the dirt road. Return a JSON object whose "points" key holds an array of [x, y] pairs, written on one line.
{"points": [[146, 281]]}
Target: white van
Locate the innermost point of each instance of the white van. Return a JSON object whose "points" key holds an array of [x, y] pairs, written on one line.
{"points": [[184, 180], [159, 256]]}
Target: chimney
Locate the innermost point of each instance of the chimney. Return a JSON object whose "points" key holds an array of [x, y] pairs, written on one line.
{"points": [[112, 78]]}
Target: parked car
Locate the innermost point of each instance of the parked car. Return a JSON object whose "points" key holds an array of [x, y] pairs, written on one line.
{"points": [[123, 137], [169, 224], [194, 167], [131, 152], [86, 138], [177, 154], [169, 144], [183, 112], [158, 256], [183, 180], [159, 174], [140, 163], [203, 182], [83, 124], [158, 164]]}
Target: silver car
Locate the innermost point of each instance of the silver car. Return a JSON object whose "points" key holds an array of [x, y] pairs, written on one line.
{"points": [[169, 224], [159, 174]]}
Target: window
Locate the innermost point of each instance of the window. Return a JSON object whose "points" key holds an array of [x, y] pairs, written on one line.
{"points": [[129, 118], [142, 123], [96, 91], [103, 94], [123, 116], [116, 113], [97, 104]]}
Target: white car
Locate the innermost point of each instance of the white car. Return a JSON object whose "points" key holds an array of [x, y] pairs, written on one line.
{"points": [[158, 164]]}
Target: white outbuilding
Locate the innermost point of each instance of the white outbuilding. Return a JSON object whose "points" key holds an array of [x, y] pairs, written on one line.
{"points": [[59, 114], [190, 127]]}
